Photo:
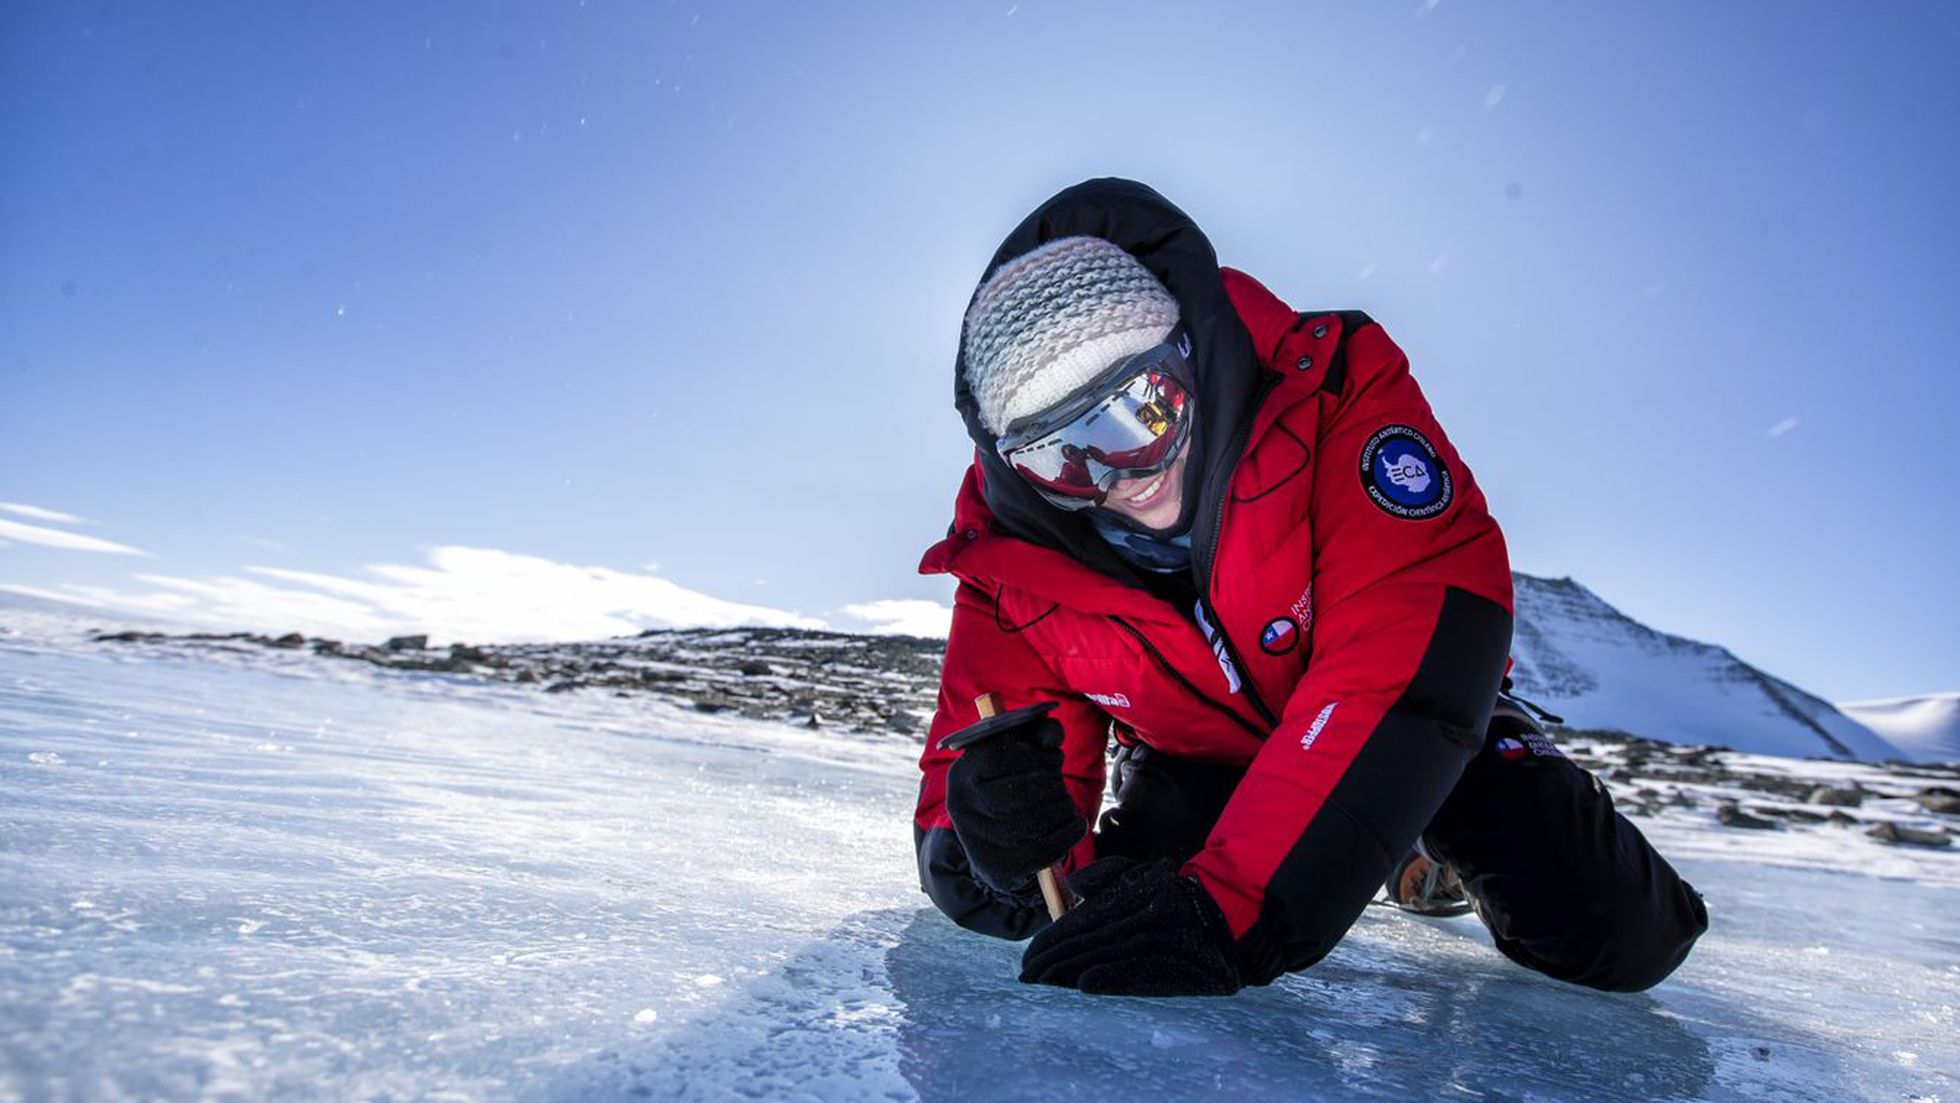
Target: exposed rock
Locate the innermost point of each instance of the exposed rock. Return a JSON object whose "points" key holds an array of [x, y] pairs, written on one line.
{"points": [[1694, 756], [291, 641], [756, 668], [815, 720], [561, 687], [1832, 796], [463, 652], [1786, 787], [1939, 799], [1800, 815], [1728, 815], [1893, 833], [407, 643]]}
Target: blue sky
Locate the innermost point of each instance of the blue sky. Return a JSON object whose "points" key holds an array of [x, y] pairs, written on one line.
{"points": [[625, 294]]}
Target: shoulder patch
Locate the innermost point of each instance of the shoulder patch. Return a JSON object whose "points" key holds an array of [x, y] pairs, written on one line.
{"points": [[1404, 475]]}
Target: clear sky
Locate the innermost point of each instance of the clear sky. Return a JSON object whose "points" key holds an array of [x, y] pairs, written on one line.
{"points": [[666, 295]]}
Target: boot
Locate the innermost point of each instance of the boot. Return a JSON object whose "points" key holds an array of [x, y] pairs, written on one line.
{"points": [[1422, 885]]}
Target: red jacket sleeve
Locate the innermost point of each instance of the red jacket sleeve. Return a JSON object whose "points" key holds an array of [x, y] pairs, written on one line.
{"points": [[1411, 629], [984, 655]]}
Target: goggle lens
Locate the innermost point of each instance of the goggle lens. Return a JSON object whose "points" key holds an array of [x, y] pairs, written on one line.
{"points": [[1134, 430]]}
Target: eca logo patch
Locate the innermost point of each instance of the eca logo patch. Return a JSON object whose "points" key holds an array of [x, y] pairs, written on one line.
{"points": [[1404, 475]]}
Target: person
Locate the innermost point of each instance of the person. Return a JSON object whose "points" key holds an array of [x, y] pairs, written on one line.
{"points": [[1232, 538]]}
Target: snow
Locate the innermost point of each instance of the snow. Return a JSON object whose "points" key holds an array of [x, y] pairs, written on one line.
{"points": [[904, 616], [228, 878], [1927, 728], [460, 593]]}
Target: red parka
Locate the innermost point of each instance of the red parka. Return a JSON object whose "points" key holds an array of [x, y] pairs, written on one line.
{"points": [[1353, 620]]}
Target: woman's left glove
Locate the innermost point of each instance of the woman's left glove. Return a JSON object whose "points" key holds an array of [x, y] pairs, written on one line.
{"points": [[1141, 930]]}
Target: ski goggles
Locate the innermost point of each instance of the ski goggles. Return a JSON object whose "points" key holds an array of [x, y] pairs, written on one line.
{"points": [[1131, 421]]}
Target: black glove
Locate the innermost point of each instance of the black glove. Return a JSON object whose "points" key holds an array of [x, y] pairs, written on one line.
{"points": [[1009, 804], [1141, 930]]}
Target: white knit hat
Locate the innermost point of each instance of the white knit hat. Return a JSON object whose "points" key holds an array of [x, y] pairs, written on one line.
{"points": [[1054, 318]]}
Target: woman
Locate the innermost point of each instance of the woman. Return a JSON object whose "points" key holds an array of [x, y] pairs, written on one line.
{"points": [[1233, 538]]}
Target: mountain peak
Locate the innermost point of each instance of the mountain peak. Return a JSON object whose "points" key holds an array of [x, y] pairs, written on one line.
{"points": [[1581, 657]]}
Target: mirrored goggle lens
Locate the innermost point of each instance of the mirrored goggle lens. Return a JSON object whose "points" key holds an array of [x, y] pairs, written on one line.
{"points": [[1135, 429]]}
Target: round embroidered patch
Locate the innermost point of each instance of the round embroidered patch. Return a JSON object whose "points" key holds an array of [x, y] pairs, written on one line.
{"points": [[1279, 636], [1404, 475], [1510, 750]]}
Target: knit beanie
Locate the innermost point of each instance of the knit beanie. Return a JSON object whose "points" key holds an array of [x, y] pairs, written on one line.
{"points": [[1055, 317]]}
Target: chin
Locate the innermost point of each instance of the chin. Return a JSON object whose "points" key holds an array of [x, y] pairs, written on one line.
{"points": [[1157, 520]]}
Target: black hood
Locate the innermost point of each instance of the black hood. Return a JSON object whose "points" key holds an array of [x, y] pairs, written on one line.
{"points": [[1168, 243]]}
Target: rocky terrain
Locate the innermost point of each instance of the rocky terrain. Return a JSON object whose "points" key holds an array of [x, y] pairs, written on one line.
{"points": [[859, 683], [884, 686]]}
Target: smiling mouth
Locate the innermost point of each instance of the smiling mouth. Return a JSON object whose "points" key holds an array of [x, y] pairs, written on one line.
{"points": [[1148, 494]]}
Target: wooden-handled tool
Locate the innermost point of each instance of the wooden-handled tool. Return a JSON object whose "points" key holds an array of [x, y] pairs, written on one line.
{"points": [[1049, 879]]}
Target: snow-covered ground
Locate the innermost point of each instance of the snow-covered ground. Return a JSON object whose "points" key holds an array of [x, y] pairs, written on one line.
{"points": [[228, 878], [1928, 728]]}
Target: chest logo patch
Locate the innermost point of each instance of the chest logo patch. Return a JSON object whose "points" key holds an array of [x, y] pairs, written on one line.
{"points": [[1404, 475], [1279, 636]]}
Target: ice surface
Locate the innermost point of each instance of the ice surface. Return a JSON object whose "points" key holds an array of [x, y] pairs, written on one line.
{"points": [[228, 882]]}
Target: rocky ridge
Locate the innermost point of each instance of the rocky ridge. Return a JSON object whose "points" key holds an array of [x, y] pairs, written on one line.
{"points": [[857, 682], [887, 685]]}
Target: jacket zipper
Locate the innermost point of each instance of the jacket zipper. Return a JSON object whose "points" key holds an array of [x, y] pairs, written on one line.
{"points": [[1220, 482], [1165, 664]]}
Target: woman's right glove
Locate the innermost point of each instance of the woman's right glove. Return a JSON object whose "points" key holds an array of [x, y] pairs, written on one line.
{"points": [[1009, 805]]}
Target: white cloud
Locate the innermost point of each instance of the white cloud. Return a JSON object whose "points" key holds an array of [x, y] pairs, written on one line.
{"points": [[903, 617], [477, 594], [1782, 427], [73, 596], [52, 516], [67, 541]]}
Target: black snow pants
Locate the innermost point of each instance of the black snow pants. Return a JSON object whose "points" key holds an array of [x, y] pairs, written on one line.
{"points": [[1567, 886]]}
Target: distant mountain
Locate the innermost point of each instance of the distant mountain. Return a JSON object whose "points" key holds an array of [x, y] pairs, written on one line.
{"points": [[1927, 728], [1599, 668]]}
